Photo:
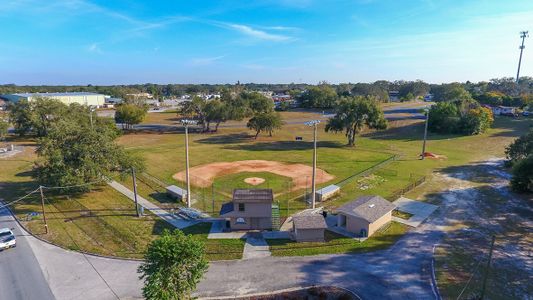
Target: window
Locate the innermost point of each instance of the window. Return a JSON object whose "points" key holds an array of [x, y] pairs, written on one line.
{"points": [[240, 221], [241, 206]]}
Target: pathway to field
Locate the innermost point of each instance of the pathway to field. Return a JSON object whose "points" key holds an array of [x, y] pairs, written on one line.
{"points": [[255, 246], [164, 214]]}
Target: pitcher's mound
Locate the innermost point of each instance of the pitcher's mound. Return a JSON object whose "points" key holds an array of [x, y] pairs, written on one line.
{"points": [[254, 180]]}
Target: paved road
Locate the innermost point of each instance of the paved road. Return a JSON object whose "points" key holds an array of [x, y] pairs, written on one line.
{"points": [[20, 274]]}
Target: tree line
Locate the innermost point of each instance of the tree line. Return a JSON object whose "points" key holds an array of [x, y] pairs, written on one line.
{"points": [[407, 90]]}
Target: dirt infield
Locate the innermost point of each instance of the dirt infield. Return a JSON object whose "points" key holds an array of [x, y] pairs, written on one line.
{"points": [[299, 173], [254, 180]]}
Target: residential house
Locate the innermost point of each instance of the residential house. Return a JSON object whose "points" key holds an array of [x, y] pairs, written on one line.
{"points": [[365, 215], [504, 110], [250, 209]]}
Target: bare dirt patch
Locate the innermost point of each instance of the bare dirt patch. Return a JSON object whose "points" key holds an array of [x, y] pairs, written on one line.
{"points": [[254, 180], [299, 173]]}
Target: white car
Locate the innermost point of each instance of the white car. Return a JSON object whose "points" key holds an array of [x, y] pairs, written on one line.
{"points": [[7, 239]]}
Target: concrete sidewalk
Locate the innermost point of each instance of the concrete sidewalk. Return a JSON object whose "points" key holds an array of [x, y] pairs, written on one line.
{"points": [[156, 210], [420, 211], [255, 246]]}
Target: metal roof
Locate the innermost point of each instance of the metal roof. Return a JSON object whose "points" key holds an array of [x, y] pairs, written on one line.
{"points": [[66, 94], [226, 208], [253, 195], [313, 221], [369, 208], [176, 190], [328, 189]]}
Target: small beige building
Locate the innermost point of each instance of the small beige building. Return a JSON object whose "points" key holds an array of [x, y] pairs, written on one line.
{"points": [[308, 228], [251, 209], [365, 215]]}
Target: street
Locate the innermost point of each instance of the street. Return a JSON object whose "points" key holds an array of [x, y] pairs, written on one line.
{"points": [[20, 273]]}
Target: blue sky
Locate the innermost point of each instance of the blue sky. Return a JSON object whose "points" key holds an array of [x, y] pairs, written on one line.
{"points": [[266, 41]]}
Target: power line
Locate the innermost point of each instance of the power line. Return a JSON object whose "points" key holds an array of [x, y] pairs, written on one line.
{"points": [[523, 36], [19, 199]]}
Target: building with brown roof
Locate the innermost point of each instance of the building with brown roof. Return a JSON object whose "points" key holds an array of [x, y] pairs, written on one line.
{"points": [[365, 215], [308, 228], [251, 209]]}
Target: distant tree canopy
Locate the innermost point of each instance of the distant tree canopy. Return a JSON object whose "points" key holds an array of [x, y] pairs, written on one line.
{"points": [[130, 114], [4, 125], [352, 114], [413, 90], [459, 117], [173, 265], [450, 92], [377, 91], [505, 85], [321, 96]]}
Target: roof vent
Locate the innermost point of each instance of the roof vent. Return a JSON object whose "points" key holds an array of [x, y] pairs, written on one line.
{"points": [[371, 205]]}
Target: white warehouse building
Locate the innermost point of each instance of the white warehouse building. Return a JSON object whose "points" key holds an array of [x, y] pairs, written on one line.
{"points": [[83, 98]]}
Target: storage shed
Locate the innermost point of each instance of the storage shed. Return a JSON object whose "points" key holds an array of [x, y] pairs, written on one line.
{"points": [[365, 215], [327, 192], [309, 228], [176, 192]]}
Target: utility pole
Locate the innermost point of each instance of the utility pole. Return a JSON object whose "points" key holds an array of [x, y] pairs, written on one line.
{"points": [[186, 123], [487, 269], [135, 191], [91, 110], [313, 123], [425, 133], [42, 207], [523, 36]]}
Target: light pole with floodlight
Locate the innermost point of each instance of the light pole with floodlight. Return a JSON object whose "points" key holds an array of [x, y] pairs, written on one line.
{"points": [[186, 124], [314, 124], [426, 110]]}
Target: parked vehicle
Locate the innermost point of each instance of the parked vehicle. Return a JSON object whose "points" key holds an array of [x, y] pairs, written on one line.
{"points": [[7, 239]]}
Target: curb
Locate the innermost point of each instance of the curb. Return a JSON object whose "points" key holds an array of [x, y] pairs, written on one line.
{"points": [[434, 286], [277, 292]]}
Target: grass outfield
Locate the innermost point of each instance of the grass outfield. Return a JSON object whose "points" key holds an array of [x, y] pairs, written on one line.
{"points": [[164, 154], [336, 243]]}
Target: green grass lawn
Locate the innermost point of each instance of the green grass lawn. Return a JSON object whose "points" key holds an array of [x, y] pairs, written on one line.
{"points": [[216, 249], [336, 243]]}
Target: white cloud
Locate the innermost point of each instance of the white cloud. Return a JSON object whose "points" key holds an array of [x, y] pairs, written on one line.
{"points": [[258, 34], [95, 48]]}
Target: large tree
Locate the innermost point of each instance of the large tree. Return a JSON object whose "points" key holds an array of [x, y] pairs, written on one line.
{"points": [[265, 122], [460, 117], [74, 153], [321, 96], [352, 114], [130, 114], [36, 117], [174, 263]]}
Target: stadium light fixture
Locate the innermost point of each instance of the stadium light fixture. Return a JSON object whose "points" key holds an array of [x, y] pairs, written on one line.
{"points": [[314, 124], [186, 123]]}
